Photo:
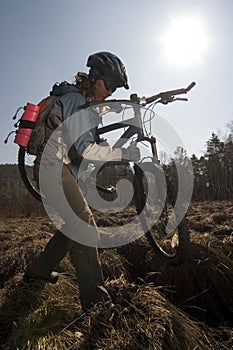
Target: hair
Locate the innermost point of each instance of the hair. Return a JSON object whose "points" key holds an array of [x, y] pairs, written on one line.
{"points": [[85, 83]]}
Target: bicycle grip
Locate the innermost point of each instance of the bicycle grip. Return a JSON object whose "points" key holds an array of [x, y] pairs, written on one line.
{"points": [[190, 86]]}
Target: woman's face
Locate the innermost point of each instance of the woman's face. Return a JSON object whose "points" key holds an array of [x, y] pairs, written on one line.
{"points": [[100, 91]]}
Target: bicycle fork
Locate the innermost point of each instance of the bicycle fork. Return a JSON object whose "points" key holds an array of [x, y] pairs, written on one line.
{"points": [[140, 201]]}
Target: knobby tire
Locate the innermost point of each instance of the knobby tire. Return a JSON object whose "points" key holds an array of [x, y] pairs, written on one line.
{"points": [[23, 167], [140, 198]]}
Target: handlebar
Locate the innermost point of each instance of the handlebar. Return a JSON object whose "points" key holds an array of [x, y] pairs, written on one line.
{"points": [[163, 97], [121, 105]]}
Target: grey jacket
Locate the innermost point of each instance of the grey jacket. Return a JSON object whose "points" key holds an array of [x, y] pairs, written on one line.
{"points": [[76, 124]]}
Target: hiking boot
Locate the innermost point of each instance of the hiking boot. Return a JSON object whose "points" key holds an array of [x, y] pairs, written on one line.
{"points": [[52, 278]]}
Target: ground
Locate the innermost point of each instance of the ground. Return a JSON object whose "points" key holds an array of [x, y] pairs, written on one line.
{"points": [[164, 307]]}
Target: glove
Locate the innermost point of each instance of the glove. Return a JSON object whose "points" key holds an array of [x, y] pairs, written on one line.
{"points": [[131, 154], [103, 142]]}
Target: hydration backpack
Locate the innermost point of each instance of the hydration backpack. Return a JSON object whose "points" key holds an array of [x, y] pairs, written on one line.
{"points": [[37, 138]]}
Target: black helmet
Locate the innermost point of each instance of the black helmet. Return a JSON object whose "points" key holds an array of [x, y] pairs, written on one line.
{"points": [[107, 66]]}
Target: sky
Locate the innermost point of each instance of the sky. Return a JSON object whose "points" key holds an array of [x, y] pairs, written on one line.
{"points": [[46, 41]]}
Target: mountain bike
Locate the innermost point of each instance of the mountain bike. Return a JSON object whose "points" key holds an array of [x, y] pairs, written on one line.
{"points": [[162, 220]]}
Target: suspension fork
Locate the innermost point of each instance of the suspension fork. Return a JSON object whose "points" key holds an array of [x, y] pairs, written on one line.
{"points": [[139, 194]]}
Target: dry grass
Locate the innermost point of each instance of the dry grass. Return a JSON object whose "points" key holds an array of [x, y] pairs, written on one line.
{"points": [[189, 307], [202, 286], [52, 319]]}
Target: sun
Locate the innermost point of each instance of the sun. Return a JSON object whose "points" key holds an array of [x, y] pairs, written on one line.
{"points": [[184, 42]]}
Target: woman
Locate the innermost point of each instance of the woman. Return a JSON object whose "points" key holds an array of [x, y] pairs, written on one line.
{"points": [[106, 74]]}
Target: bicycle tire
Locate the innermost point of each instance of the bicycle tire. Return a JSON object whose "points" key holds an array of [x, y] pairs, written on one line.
{"points": [[172, 248], [25, 166]]}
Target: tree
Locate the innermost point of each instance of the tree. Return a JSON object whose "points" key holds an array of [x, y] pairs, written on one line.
{"points": [[215, 167]]}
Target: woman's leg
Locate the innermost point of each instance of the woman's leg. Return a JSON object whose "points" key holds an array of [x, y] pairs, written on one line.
{"points": [[85, 258], [54, 252], [89, 275]]}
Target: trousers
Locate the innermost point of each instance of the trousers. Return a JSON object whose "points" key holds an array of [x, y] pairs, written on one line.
{"points": [[85, 258]]}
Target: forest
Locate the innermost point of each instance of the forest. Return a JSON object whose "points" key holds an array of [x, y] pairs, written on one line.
{"points": [[212, 178]]}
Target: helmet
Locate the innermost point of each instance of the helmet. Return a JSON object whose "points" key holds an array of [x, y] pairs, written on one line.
{"points": [[107, 66]]}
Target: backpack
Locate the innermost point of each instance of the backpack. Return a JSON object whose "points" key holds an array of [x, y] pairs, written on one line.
{"points": [[37, 139]]}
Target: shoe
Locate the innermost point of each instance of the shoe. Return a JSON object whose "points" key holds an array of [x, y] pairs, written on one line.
{"points": [[52, 278]]}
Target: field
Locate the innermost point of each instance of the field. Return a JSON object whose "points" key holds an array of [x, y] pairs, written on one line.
{"points": [[188, 307]]}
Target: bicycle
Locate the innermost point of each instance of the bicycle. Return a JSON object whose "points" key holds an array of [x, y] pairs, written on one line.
{"points": [[173, 246]]}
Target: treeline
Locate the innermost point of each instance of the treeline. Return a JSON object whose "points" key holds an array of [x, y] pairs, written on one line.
{"points": [[15, 200], [212, 173], [212, 179]]}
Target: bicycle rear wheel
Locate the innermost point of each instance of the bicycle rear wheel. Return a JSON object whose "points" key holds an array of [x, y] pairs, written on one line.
{"points": [[25, 165], [172, 244]]}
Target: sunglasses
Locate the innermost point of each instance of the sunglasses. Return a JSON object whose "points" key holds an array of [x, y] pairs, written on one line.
{"points": [[109, 86]]}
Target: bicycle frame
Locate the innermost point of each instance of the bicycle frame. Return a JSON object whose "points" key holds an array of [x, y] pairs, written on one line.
{"points": [[134, 126]]}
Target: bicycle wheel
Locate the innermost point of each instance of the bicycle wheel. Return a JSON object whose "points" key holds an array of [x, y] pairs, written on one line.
{"points": [[170, 245], [25, 165]]}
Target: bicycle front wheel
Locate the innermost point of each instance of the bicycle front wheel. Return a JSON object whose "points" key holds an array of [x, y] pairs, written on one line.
{"points": [[25, 165], [158, 216]]}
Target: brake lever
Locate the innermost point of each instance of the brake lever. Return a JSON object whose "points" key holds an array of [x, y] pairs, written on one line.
{"points": [[166, 99], [180, 99], [169, 99]]}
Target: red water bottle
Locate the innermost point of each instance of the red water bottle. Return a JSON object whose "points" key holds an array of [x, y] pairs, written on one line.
{"points": [[27, 124]]}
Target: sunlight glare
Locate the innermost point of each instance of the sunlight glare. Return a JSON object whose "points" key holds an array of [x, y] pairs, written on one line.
{"points": [[184, 42]]}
